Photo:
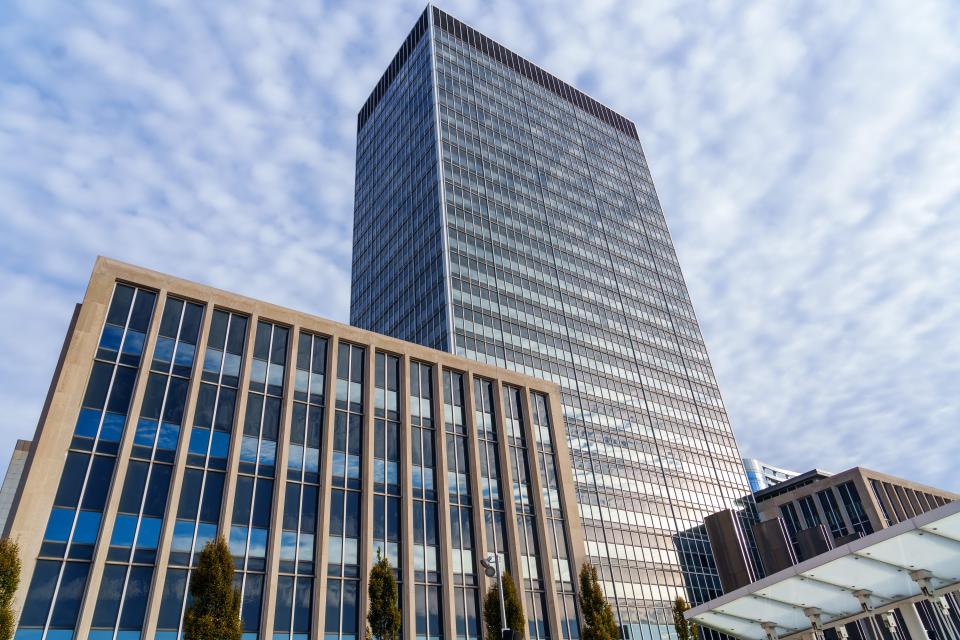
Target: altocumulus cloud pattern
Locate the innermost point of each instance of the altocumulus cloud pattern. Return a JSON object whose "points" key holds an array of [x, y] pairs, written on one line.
{"points": [[806, 154]]}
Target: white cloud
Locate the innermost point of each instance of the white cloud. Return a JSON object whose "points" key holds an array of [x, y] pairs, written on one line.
{"points": [[806, 156]]}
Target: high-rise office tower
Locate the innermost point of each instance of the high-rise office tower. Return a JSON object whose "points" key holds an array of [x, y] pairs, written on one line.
{"points": [[503, 215]]}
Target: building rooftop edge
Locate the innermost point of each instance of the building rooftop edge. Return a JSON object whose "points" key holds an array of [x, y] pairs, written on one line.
{"points": [[796, 480], [565, 90], [769, 466], [803, 479], [125, 271]]}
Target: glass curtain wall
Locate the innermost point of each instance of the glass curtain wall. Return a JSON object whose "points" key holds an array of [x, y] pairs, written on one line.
{"points": [[343, 561], [563, 574], [295, 583], [532, 576], [126, 580], [426, 551], [201, 493], [253, 501], [386, 463], [485, 423], [465, 577]]}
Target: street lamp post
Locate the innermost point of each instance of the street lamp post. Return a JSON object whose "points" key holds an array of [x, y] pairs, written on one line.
{"points": [[491, 568]]}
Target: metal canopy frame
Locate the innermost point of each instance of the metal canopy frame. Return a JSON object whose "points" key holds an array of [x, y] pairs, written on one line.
{"points": [[917, 559]]}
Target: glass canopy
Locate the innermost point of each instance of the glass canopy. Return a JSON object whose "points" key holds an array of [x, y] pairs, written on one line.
{"points": [[911, 560]]}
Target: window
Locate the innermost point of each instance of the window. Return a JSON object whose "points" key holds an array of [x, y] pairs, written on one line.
{"points": [[490, 480], [343, 569], [809, 510], [386, 462], [563, 575], [426, 549], [832, 511], [855, 511], [253, 503], [526, 522], [466, 603]]}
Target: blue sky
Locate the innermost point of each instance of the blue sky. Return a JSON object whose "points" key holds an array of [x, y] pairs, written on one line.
{"points": [[807, 155]]}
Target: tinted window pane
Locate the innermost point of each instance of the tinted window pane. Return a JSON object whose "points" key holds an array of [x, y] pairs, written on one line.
{"points": [[352, 529], [87, 527], [203, 416], [98, 482], [122, 388], [250, 611], [238, 331], [271, 418], [336, 513], [71, 481], [251, 422], [308, 521], [243, 500], [172, 599], [153, 397], [302, 601], [120, 305], [278, 350], [59, 525], [212, 496], [261, 507], [291, 506], [225, 409], [132, 493], [190, 327], [97, 387], [142, 308], [176, 397], [135, 600], [284, 603], [190, 493], [108, 602], [157, 491], [71, 592], [332, 618], [261, 346], [40, 594], [218, 330], [349, 606], [170, 322]]}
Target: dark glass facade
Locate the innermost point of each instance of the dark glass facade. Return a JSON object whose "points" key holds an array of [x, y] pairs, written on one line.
{"points": [[505, 216]]}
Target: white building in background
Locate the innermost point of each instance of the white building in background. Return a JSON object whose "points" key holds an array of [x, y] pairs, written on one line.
{"points": [[762, 475], [12, 479]]}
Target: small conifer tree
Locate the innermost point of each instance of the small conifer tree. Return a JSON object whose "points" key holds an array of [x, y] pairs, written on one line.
{"points": [[598, 620], [214, 612], [516, 620], [383, 620], [686, 629], [9, 581]]}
